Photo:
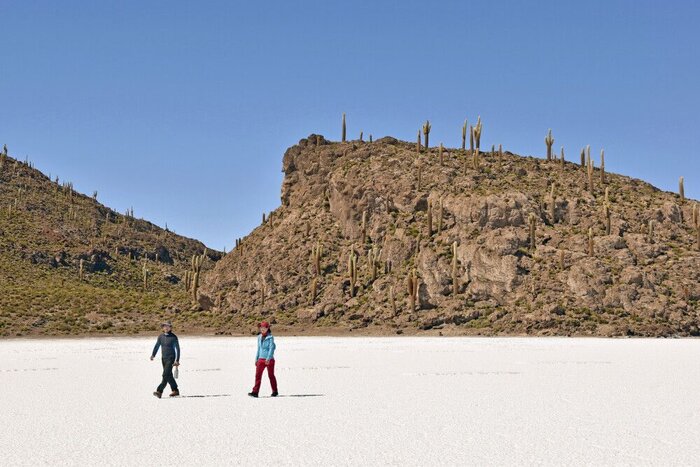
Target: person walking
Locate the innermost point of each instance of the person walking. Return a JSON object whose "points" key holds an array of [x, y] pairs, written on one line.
{"points": [[265, 358], [170, 354]]}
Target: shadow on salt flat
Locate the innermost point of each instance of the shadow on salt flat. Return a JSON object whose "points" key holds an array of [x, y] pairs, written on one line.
{"points": [[292, 395], [315, 368], [203, 395]]}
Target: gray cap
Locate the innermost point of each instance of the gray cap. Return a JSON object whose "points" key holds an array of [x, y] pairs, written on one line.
{"points": [[166, 323]]}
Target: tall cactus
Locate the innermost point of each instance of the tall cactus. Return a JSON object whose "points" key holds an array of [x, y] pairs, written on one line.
{"points": [[364, 227], [418, 148], [374, 260], [681, 190], [426, 132], [195, 285], [602, 167], [361, 133], [344, 129], [583, 157], [352, 270], [588, 155], [455, 284], [606, 216], [590, 176], [475, 158], [439, 219], [313, 291], [552, 205], [590, 241], [188, 280], [471, 138], [477, 133], [196, 267], [695, 217], [549, 141], [412, 283], [316, 254], [464, 135], [650, 231], [429, 219], [562, 157], [532, 222]]}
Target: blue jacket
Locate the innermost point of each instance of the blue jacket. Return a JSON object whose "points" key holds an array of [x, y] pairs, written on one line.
{"points": [[170, 347], [266, 348]]}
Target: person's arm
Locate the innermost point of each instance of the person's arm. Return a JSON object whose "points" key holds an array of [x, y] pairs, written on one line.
{"points": [[176, 345], [257, 354], [155, 349], [271, 352]]}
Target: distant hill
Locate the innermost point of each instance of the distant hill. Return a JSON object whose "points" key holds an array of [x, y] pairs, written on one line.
{"points": [[494, 244], [47, 231]]}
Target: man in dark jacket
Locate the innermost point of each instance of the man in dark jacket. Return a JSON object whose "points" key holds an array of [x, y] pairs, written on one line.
{"points": [[170, 353]]}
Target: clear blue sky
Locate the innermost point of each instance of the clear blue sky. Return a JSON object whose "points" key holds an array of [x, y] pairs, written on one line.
{"points": [[184, 109]]}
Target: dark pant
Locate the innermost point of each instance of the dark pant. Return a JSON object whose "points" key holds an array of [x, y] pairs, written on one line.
{"points": [[168, 377], [259, 368]]}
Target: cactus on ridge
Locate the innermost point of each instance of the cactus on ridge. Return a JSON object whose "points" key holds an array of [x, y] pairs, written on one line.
{"points": [[464, 135], [455, 284], [426, 132], [344, 129], [549, 141]]}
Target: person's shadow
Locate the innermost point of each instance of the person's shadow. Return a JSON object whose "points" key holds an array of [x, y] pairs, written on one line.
{"points": [[261, 397], [206, 395], [293, 395]]}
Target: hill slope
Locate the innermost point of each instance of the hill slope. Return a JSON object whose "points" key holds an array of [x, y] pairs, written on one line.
{"points": [[631, 283], [47, 230]]}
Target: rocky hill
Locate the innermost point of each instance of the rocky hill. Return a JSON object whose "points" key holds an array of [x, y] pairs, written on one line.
{"points": [[378, 237], [69, 265]]}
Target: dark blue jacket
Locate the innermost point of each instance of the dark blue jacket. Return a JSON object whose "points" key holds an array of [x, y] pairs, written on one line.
{"points": [[171, 347]]}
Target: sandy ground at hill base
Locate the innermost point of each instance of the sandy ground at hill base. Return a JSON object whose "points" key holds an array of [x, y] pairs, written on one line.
{"points": [[354, 401]]}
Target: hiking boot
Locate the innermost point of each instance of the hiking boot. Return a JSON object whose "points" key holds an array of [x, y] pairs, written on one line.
{"points": [[253, 394], [175, 393], [157, 394], [274, 394]]}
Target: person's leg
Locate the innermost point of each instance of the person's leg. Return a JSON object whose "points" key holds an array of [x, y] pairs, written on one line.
{"points": [[271, 374], [167, 368], [171, 379], [259, 367]]}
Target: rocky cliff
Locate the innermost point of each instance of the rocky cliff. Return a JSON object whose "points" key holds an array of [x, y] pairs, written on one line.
{"points": [[492, 244]]}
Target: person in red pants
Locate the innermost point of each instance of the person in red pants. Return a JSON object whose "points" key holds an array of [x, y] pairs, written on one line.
{"points": [[265, 358]]}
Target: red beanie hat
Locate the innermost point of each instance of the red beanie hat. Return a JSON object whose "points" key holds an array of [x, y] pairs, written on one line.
{"points": [[264, 324]]}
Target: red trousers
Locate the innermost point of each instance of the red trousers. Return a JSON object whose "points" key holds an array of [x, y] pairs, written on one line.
{"points": [[259, 368]]}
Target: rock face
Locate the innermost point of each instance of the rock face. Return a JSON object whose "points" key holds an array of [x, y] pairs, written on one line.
{"points": [[631, 284]]}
